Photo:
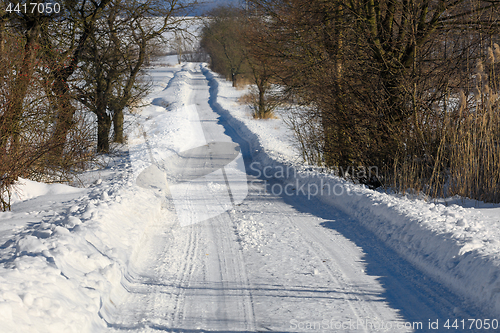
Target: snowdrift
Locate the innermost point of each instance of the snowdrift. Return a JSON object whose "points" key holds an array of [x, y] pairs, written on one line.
{"points": [[64, 272]]}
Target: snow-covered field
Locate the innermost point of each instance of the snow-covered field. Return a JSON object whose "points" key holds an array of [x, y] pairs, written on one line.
{"points": [[303, 248]]}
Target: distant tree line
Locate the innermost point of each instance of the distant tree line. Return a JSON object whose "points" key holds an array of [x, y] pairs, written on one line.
{"points": [[58, 68], [410, 87], [229, 37]]}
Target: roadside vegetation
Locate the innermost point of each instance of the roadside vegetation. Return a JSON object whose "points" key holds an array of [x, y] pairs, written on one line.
{"points": [[232, 39], [408, 87], [66, 75]]}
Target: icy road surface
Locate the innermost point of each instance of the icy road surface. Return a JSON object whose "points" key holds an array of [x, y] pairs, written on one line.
{"points": [[271, 263]]}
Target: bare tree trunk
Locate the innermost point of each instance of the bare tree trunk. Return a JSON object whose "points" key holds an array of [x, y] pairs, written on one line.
{"points": [[103, 129], [65, 114], [118, 126], [337, 138], [60, 88], [10, 120], [104, 120], [127, 94], [262, 102], [233, 78], [103, 123], [2, 38]]}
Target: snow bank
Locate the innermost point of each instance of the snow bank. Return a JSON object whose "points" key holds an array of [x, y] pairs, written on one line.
{"points": [[457, 246], [27, 189], [62, 271]]}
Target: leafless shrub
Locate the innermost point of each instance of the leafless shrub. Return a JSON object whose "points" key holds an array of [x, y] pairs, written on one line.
{"points": [[27, 142], [306, 126], [264, 102]]}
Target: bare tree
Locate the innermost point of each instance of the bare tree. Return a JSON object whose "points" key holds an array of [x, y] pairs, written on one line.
{"points": [[28, 108], [115, 55], [372, 71], [145, 35], [232, 40], [222, 40], [64, 44]]}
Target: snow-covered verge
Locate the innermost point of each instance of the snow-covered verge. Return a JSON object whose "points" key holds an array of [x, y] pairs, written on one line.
{"points": [[65, 252], [455, 241]]}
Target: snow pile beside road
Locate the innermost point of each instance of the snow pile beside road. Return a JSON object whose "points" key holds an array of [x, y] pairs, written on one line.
{"points": [[62, 267], [458, 245], [27, 189], [166, 125]]}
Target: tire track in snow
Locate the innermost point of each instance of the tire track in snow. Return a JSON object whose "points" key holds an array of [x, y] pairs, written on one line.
{"points": [[334, 255], [317, 245], [236, 270], [183, 280], [220, 276], [289, 290]]}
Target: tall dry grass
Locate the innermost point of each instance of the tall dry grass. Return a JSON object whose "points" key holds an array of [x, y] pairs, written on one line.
{"points": [[455, 150], [474, 146]]}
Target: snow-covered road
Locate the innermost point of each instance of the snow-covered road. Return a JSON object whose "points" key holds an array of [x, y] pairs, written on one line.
{"points": [[271, 263], [195, 226]]}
